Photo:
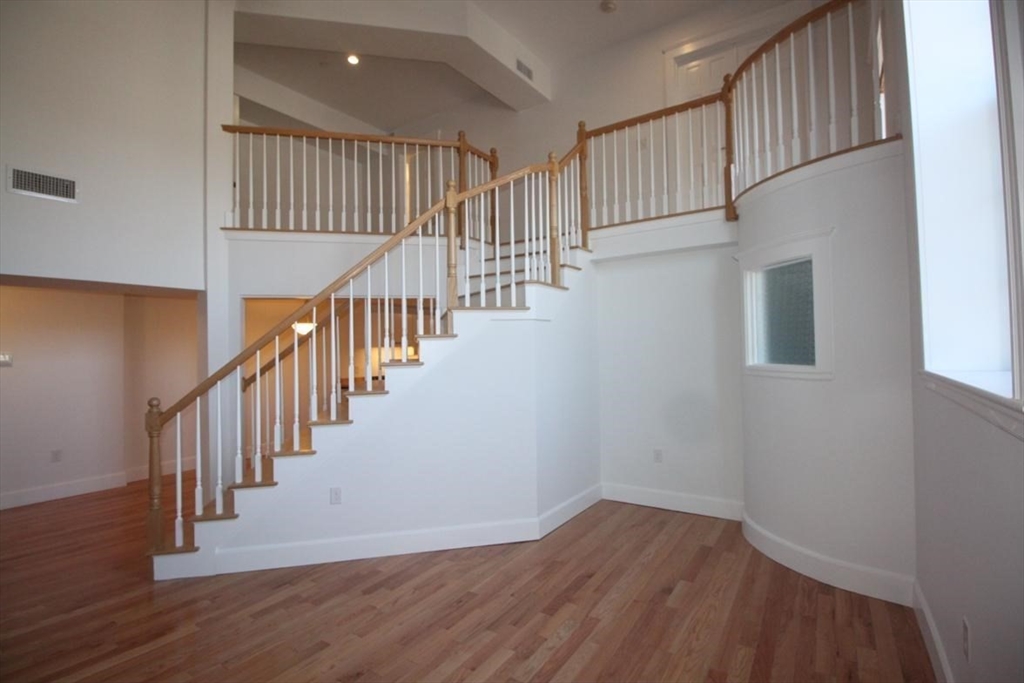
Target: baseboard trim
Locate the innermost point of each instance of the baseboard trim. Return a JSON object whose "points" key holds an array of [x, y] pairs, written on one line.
{"points": [[64, 489], [672, 500], [320, 551], [563, 512], [167, 467], [932, 639], [876, 583]]}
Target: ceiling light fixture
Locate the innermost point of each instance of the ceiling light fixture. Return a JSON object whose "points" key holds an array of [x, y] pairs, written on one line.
{"points": [[608, 6], [353, 60]]}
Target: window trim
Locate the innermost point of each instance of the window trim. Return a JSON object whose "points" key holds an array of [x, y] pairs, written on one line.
{"points": [[816, 246]]}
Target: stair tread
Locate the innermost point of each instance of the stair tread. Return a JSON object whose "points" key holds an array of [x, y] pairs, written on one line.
{"points": [[253, 485], [366, 392], [326, 421], [174, 551], [293, 453], [400, 363], [213, 517], [438, 336]]}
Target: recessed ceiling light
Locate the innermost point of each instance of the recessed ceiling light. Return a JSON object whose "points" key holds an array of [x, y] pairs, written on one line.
{"points": [[353, 60], [608, 6]]}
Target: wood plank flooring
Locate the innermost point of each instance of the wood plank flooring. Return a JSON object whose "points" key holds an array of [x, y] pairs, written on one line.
{"points": [[620, 593]]}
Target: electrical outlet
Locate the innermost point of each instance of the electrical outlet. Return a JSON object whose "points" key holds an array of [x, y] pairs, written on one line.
{"points": [[659, 455], [335, 495], [966, 633], [56, 455]]}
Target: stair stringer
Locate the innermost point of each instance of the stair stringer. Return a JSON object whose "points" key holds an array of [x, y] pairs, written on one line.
{"points": [[447, 458]]}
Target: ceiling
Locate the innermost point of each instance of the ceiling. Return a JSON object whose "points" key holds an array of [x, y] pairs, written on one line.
{"points": [[388, 90]]}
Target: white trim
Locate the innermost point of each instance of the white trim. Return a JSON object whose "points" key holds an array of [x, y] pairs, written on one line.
{"points": [[1005, 413], [932, 640], [65, 489], [859, 578], [674, 500], [563, 512], [272, 556]]}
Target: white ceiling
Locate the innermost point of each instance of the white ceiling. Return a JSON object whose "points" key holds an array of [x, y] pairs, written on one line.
{"points": [[388, 91]]}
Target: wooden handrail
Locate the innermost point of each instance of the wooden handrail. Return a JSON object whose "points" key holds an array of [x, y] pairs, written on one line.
{"points": [[575, 151], [301, 311], [478, 152], [651, 116], [785, 32], [356, 137], [498, 182], [269, 365]]}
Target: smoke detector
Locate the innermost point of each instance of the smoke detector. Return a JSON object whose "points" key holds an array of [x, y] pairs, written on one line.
{"points": [[608, 6]]}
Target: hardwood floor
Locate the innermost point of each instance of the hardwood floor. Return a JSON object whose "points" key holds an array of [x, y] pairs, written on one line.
{"points": [[620, 593]]}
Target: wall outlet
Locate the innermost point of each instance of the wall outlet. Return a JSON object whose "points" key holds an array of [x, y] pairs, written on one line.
{"points": [[335, 495], [56, 455], [966, 635], [659, 455]]}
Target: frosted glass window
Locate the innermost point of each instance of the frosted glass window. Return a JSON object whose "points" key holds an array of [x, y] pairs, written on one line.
{"points": [[786, 312]]}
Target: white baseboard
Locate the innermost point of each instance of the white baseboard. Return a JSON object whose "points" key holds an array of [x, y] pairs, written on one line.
{"points": [[251, 558], [167, 467], [876, 583], [671, 500], [932, 639], [64, 489], [562, 513]]}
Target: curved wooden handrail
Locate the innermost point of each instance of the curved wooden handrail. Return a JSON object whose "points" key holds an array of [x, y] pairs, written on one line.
{"points": [[325, 294], [660, 113], [356, 137], [785, 32], [486, 156], [575, 151]]}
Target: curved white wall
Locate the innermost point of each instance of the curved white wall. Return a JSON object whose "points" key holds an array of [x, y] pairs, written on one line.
{"points": [[828, 463]]}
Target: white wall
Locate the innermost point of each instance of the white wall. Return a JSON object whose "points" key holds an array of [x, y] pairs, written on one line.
{"points": [[109, 94], [161, 348], [669, 379], [63, 393], [828, 464]]}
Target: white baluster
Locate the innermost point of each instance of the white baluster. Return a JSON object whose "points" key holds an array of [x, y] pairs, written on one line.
{"points": [[257, 463], [277, 173], [768, 166], [291, 183], [718, 177], [219, 491], [748, 122], [832, 140], [693, 168], [704, 194], [387, 303], [251, 223], [394, 183], [756, 123], [351, 335], [236, 212], [480, 247], [344, 190], [330, 185], [380, 185], [420, 233], [628, 188], [780, 155], [650, 159], [316, 160], [179, 522], [437, 272], [812, 96], [367, 325], [466, 291], [278, 402], [512, 239], [795, 131], [263, 223], [497, 244], [295, 389], [334, 362], [679, 167], [664, 165], [313, 411], [305, 174], [614, 154], [604, 182], [639, 177], [405, 319], [355, 186], [854, 114], [239, 398], [199, 456], [419, 207]]}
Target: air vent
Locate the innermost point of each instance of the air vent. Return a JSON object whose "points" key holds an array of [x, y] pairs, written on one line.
{"points": [[41, 185], [523, 69]]}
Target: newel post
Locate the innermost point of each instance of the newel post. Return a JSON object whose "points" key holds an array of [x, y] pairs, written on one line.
{"points": [[581, 137], [494, 205], [451, 205], [463, 177], [554, 248], [730, 207], [154, 521]]}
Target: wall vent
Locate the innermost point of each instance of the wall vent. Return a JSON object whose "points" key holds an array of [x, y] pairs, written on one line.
{"points": [[523, 69], [41, 185]]}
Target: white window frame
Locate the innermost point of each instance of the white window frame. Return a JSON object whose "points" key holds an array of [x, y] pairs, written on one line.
{"points": [[817, 247]]}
